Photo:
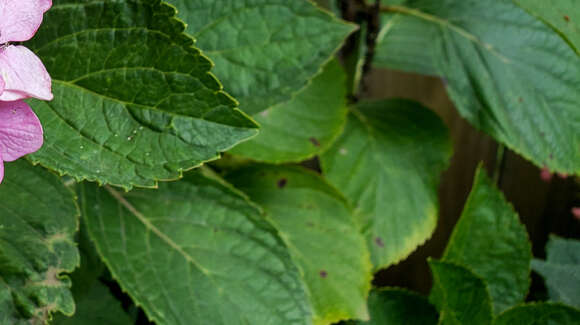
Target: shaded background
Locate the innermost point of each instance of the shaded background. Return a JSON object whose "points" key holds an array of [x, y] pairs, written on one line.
{"points": [[544, 207]]}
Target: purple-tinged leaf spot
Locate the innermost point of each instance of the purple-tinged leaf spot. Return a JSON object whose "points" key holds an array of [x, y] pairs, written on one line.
{"points": [[282, 182], [315, 142], [379, 242], [323, 274]]}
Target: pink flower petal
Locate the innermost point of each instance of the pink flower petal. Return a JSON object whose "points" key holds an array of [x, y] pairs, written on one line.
{"points": [[20, 130], [1, 169], [24, 75], [20, 19], [2, 84]]}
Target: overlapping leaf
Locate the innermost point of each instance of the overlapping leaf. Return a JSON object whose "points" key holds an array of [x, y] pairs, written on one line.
{"points": [[264, 50], [134, 100], [490, 240], [394, 306], [461, 297], [321, 233], [561, 270], [509, 73], [95, 304], [196, 252], [539, 314], [304, 126], [38, 220], [388, 162]]}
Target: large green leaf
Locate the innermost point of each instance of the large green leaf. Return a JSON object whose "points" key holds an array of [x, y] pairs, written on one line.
{"points": [[388, 162], [539, 314], [321, 233], [196, 252], [562, 15], [264, 50], [134, 100], [508, 73], [393, 306], [38, 220], [461, 296], [561, 270], [490, 240], [304, 126]]}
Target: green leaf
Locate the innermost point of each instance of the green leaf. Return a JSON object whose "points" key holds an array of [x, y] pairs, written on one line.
{"points": [[196, 252], [388, 162], [490, 240], [134, 100], [264, 50], [461, 296], [562, 15], [303, 127], [98, 307], [561, 270], [393, 306], [95, 305], [38, 220], [323, 237], [507, 72], [539, 314], [406, 43]]}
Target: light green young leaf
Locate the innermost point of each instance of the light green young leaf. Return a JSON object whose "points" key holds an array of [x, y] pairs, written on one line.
{"points": [[134, 100], [539, 314], [490, 240], [264, 50], [461, 296], [196, 252], [303, 127], [38, 220], [562, 15], [507, 72], [393, 306], [561, 270], [323, 237], [388, 162]]}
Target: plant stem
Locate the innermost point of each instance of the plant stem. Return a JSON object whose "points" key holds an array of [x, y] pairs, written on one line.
{"points": [[499, 164]]}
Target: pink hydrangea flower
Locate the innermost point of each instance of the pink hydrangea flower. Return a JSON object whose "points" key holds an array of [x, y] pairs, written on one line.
{"points": [[22, 75]]}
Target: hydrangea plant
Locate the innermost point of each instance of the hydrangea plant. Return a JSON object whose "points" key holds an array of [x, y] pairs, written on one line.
{"points": [[187, 162]]}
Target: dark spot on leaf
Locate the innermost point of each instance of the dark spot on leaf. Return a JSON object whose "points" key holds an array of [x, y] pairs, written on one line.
{"points": [[551, 156], [379, 242], [310, 224], [282, 182], [521, 100], [566, 18], [323, 274], [315, 142], [542, 133], [215, 230]]}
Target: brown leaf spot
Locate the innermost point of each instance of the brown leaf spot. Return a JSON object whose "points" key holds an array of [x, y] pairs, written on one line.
{"points": [[282, 182], [379, 242], [567, 18], [323, 274], [315, 142], [521, 100]]}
